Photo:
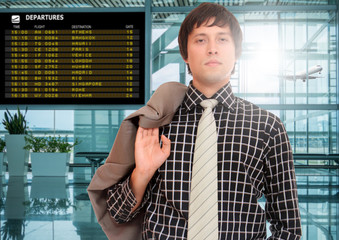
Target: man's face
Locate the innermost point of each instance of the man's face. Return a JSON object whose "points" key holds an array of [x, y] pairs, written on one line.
{"points": [[210, 55]]}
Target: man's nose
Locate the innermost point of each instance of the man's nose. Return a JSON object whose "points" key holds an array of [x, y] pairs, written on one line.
{"points": [[212, 49]]}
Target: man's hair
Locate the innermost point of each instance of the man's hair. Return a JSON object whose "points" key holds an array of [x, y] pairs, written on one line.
{"points": [[201, 15]]}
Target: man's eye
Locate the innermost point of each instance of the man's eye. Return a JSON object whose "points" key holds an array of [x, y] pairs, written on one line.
{"points": [[200, 40], [223, 40]]}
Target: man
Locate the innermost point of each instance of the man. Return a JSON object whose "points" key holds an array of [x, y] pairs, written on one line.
{"points": [[253, 153]]}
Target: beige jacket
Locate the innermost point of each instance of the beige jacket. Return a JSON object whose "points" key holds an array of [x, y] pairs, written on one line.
{"points": [[158, 112]]}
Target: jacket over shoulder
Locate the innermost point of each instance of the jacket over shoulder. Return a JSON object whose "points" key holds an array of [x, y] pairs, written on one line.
{"points": [[158, 111]]}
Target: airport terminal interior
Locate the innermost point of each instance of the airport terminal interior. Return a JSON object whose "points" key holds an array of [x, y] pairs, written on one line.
{"points": [[289, 66]]}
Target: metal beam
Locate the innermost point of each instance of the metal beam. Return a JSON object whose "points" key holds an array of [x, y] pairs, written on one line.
{"points": [[162, 60], [316, 34], [164, 40], [148, 44], [333, 107], [257, 8], [47, 10]]}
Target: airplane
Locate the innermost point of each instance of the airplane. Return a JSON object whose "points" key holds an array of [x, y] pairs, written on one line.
{"points": [[303, 75]]}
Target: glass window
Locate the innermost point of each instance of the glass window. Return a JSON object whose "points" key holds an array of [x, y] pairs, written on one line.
{"points": [[288, 62]]}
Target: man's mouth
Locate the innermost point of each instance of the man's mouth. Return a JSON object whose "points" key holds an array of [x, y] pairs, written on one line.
{"points": [[212, 63]]}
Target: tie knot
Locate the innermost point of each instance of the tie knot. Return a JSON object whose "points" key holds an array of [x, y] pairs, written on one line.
{"points": [[209, 103]]}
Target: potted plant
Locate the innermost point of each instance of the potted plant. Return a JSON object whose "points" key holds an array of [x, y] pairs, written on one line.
{"points": [[2, 147], [50, 156], [17, 156]]}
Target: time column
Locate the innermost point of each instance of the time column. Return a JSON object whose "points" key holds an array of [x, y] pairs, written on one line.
{"points": [[27, 74], [16, 63]]}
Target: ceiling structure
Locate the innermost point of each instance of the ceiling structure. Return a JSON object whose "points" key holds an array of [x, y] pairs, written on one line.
{"points": [[155, 3]]}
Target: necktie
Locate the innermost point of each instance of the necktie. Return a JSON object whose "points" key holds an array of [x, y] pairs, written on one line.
{"points": [[203, 205]]}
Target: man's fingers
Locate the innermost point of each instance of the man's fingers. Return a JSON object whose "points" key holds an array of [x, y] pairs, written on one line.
{"points": [[155, 132], [143, 133], [166, 145], [140, 133]]}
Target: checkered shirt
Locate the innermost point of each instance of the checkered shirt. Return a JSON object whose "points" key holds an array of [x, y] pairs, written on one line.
{"points": [[255, 169]]}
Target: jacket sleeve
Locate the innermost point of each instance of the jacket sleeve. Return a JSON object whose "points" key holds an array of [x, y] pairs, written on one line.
{"points": [[121, 201], [282, 208], [118, 165]]}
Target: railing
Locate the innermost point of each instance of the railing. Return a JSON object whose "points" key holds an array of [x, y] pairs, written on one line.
{"points": [[330, 161]]}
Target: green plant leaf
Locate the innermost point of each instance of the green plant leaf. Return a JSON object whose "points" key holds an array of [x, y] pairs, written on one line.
{"points": [[16, 123]]}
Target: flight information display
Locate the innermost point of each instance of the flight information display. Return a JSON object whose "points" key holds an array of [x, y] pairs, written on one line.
{"points": [[72, 58]]}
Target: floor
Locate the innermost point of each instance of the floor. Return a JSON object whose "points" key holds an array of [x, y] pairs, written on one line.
{"points": [[58, 208]]}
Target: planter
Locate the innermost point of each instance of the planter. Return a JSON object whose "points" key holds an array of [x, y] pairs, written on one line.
{"points": [[50, 164], [2, 166], [17, 156]]}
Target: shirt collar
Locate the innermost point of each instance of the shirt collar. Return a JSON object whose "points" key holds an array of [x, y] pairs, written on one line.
{"points": [[224, 96]]}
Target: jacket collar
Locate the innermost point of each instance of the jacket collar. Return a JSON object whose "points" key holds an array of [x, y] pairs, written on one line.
{"points": [[161, 107]]}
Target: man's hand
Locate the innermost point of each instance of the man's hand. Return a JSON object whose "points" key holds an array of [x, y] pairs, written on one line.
{"points": [[149, 156]]}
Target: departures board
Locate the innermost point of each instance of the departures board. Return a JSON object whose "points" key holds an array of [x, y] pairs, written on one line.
{"points": [[72, 58]]}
